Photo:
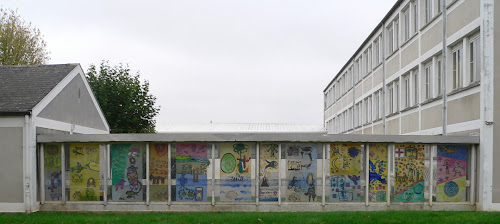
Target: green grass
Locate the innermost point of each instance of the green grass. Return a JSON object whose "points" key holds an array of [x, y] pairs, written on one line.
{"points": [[254, 217]]}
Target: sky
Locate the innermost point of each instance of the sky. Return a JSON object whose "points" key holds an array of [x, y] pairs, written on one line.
{"points": [[220, 61]]}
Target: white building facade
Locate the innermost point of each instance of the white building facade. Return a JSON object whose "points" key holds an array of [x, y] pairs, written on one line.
{"points": [[399, 81]]}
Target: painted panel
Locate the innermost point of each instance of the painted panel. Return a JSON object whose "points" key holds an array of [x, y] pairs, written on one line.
{"points": [[158, 172], [11, 157], [191, 171], [84, 180], [52, 172], [409, 173], [451, 173], [345, 171], [128, 166], [301, 172], [378, 172], [268, 172], [235, 171]]}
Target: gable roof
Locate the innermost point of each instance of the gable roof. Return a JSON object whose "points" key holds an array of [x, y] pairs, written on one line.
{"points": [[23, 87]]}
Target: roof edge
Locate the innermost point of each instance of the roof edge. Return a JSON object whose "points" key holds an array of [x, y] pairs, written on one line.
{"points": [[386, 17]]}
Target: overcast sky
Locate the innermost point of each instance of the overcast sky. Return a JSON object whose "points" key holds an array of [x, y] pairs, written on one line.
{"points": [[225, 61]]}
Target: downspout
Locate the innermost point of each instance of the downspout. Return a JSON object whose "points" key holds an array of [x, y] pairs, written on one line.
{"points": [[443, 75], [383, 78], [27, 162]]}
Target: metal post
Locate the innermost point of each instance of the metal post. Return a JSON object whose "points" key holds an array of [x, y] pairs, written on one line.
{"points": [[323, 199], [257, 174], [148, 190], [444, 62], [390, 154], [169, 174], [431, 174], [63, 173], [42, 175], [367, 173], [279, 174], [105, 179], [213, 174], [473, 175]]}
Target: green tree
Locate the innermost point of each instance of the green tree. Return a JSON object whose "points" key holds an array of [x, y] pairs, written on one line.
{"points": [[20, 43], [126, 103]]}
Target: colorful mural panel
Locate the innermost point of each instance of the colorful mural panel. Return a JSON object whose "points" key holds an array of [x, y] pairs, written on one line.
{"points": [[84, 172], [451, 173], [345, 171], [301, 172], [268, 172], [158, 172], [191, 178], [52, 172], [378, 172], [409, 173], [235, 172], [127, 166]]}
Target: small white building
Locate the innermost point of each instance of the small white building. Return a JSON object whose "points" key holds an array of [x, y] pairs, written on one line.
{"points": [[41, 99]]}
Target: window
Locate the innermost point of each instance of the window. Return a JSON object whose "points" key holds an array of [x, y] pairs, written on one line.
{"points": [[474, 60], [439, 72], [427, 81], [428, 10], [376, 52], [369, 60], [376, 105], [356, 71], [393, 97], [396, 93], [365, 63], [406, 24], [415, 86], [415, 16], [406, 91], [390, 38], [457, 68], [439, 6]]}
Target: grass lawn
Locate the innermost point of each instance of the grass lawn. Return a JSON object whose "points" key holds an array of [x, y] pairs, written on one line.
{"points": [[253, 217]]}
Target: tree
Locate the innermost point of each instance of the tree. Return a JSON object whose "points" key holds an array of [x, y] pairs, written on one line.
{"points": [[20, 43], [127, 104]]}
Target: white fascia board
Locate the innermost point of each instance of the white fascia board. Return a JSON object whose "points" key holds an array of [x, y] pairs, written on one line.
{"points": [[60, 86], [11, 121], [63, 126]]}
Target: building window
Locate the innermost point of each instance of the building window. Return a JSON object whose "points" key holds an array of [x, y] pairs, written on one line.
{"points": [[415, 16], [427, 80], [406, 91], [356, 71], [406, 24], [369, 60], [439, 72], [474, 60], [390, 35], [428, 10], [376, 105], [457, 68], [439, 7], [376, 52], [415, 86]]}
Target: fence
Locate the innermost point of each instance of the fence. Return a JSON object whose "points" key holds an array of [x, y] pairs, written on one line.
{"points": [[256, 172]]}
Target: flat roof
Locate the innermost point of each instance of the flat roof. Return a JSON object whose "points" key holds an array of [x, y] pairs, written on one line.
{"points": [[256, 137]]}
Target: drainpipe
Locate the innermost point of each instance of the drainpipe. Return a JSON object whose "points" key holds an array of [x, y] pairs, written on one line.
{"points": [[27, 162], [443, 75]]}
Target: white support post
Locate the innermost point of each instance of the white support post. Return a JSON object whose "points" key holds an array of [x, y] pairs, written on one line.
{"points": [[63, 173], [431, 173], [105, 179], [169, 174], [108, 173], [367, 173], [213, 174], [279, 175], [148, 190], [257, 174], [390, 154], [323, 199], [42, 174], [473, 176]]}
